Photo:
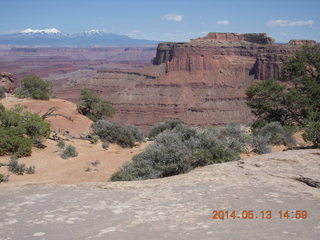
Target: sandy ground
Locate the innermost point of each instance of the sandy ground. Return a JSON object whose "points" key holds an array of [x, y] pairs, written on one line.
{"points": [[51, 168]]}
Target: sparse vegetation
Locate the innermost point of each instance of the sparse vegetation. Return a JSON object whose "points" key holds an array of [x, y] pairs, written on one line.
{"points": [[2, 92], [61, 144], [15, 167], [116, 133], [105, 145], [92, 106], [4, 178], [34, 87], [94, 139], [68, 152], [182, 149], [95, 163]]}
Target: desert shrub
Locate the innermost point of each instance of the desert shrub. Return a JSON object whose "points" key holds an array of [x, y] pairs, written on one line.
{"points": [[136, 132], [34, 87], [278, 134], [272, 134], [30, 170], [15, 167], [114, 133], [61, 144], [38, 143], [95, 163], [182, 149], [93, 107], [261, 144], [312, 132], [68, 152], [105, 145], [163, 126], [4, 178], [94, 139], [12, 141], [2, 92]]}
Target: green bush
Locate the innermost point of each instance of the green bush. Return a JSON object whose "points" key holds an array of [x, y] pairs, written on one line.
{"points": [[68, 152], [19, 130], [113, 133], [181, 149], [2, 92], [93, 107], [12, 141], [312, 132], [34, 87], [35, 126]]}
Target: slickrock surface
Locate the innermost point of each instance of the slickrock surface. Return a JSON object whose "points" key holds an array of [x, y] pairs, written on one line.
{"points": [[178, 207]]}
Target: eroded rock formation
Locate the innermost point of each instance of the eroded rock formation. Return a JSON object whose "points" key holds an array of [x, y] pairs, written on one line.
{"points": [[6, 81], [200, 82]]}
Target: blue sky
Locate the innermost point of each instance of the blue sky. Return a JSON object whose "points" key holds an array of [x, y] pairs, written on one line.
{"points": [[171, 20]]}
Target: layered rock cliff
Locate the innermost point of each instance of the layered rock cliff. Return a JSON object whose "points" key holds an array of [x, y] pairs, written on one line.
{"points": [[217, 50], [200, 82]]}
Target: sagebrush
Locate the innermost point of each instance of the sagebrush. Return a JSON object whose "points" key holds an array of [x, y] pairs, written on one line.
{"points": [[125, 136], [182, 149]]}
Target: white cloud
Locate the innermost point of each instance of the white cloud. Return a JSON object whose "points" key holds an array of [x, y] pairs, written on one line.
{"points": [[172, 17], [223, 22], [136, 31], [48, 30], [204, 33], [288, 23]]}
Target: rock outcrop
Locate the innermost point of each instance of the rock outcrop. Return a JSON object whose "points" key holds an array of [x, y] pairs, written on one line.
{"points": [[7, 82], [302, 42]]}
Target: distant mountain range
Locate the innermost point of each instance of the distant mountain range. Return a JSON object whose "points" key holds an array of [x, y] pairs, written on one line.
{"points": [[53, 37]]}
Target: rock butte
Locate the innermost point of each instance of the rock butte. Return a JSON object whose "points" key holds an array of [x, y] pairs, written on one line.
{"points": [[200, 82]]}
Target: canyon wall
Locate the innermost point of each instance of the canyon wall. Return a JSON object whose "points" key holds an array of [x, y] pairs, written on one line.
{"points": [[201, 82]]}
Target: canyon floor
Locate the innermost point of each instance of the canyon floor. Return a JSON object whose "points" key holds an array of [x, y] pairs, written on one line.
{"points": [[178, 207]]}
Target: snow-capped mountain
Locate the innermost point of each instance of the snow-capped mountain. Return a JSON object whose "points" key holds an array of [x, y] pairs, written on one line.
{"points": [[55, 38]]}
